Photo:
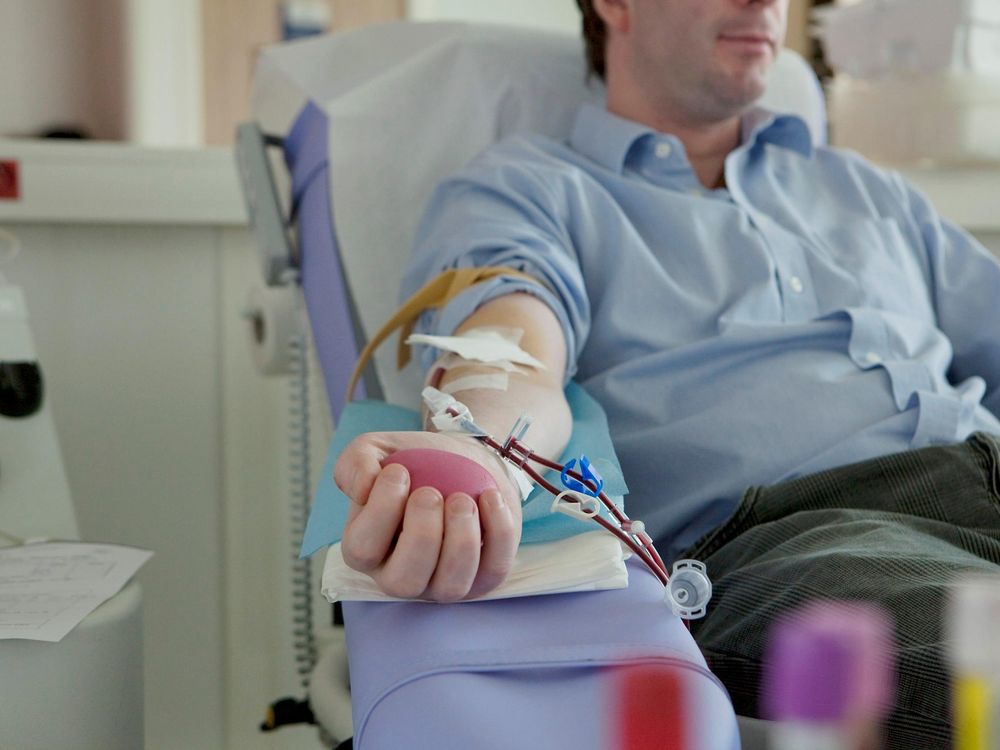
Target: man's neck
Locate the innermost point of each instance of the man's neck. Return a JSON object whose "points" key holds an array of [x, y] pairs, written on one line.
{"points": [[707, 143]]}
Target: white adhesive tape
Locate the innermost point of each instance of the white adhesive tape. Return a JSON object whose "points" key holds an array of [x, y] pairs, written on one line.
{"points": [[492, 381], [524, 484], [487, 345], [450, 360]]}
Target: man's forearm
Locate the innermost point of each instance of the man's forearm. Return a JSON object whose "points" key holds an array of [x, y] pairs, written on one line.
{"points": [[536, 393]]}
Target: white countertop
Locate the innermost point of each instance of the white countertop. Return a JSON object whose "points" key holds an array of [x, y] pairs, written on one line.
{"points": [[112, 183]]}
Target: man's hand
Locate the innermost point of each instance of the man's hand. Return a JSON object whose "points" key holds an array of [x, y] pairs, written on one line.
{"points": [[412, 541]]}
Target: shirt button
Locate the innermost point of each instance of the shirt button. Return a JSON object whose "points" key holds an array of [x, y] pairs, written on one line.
{"points": [[873, 358], [663, 149], [796, 284]]}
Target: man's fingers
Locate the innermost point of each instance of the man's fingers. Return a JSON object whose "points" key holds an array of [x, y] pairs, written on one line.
{"points": [[410, 566], [459, 559], [501, 535], [358, 466], [371, 529], [419, 545]]}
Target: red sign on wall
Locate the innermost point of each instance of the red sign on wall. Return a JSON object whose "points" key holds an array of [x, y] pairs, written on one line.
{"points": [[9, 186]]}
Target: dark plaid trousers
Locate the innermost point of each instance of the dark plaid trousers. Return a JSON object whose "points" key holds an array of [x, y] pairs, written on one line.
{"points": [[894, 530]]}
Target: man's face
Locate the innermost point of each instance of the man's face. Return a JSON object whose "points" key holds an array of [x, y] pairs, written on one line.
{"points": [[709, 58]]}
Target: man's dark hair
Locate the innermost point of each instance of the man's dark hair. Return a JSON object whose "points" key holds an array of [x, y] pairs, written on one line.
{"points": [[594, 35]]}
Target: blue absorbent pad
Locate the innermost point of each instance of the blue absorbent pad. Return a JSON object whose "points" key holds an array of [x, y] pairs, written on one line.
{"points": [[590, 437]]}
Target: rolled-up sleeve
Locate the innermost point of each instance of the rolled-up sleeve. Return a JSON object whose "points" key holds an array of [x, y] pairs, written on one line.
{"points": [[498, 213]]}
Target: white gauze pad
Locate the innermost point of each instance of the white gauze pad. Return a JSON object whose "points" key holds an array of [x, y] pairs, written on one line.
{"points": [[488, 345]]}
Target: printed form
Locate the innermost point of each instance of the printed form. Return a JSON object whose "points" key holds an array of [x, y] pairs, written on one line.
{"points": [[47, 588]]}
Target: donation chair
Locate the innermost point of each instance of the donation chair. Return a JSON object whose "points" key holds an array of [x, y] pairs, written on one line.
{"points": [[369, 122]]}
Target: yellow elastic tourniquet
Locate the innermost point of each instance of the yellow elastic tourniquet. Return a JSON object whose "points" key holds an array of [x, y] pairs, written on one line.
{"points": [[436, 293]]}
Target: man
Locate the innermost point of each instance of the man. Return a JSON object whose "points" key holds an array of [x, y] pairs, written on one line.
{"points": [[749, 310]]}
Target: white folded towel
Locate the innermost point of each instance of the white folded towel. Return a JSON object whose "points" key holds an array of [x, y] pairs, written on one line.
{"points": [[585, 562]]}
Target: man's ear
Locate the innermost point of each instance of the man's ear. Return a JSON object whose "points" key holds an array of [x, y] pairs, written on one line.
{"points": [[616, 14]]}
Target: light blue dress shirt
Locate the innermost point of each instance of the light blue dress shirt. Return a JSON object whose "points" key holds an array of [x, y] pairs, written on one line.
{"points": [[814, 313]]}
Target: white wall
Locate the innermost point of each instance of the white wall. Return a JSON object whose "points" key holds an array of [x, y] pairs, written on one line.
{"points": [[120, 69], [560, 15], [61, 63], [163, 64]]}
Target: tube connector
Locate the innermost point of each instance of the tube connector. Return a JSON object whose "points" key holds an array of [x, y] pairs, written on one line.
{"points": [[689, 590]]}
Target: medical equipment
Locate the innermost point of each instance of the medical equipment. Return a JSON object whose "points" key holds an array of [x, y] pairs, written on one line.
{"points": [[687, 592], [931, 64], [365, 98], [582, 497], [881, 38], [828, 677], [278, 328], [20, 376], [302, 18], [972, 617], [86, 690], [650, 708], [274, 313]]}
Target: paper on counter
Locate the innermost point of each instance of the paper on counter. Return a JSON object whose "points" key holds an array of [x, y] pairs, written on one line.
{"points": [[586, 562], [47, 588]]}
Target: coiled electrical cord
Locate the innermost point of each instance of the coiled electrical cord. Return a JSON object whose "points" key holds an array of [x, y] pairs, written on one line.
{"points": [[300, 501]]}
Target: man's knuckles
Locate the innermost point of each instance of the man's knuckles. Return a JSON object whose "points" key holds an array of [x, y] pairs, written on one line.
{"points": [[402, 585], [360, 556]]}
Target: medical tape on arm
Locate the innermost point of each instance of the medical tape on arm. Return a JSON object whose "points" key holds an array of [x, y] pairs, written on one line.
{"points": [[488, 345], [497, 381], [451, 361], [481, 348]]}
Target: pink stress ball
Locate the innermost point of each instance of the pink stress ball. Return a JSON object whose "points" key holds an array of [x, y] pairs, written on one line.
{"points": [[447, 472]]}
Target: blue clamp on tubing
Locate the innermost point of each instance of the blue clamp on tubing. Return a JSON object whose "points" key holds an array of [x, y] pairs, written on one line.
{"points": [[588, 472]]}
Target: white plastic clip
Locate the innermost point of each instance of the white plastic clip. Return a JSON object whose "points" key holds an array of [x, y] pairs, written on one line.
{"points": [[447, 413], [436, 401], [580, 506], [689, 589], [635, 528]]}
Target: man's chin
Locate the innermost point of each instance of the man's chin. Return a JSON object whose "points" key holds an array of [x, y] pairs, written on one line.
{"points": [[740, 93]]}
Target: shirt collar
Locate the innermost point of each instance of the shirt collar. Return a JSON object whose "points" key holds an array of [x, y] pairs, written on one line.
{"points": [[761, 125], [604, 137], [607, 138]]}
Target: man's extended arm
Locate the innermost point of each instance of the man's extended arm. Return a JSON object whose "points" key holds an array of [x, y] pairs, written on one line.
{"points": [[418, 544]]}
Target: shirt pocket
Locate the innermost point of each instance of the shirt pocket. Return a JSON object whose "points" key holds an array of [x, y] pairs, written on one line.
{"points": [[888, 269]]}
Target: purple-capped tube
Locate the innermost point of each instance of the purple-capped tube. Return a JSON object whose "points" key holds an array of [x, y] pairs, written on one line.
{"points": [[829, 677]]}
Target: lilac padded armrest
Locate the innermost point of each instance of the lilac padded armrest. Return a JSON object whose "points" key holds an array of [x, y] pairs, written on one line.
{"points": [[521, 673]]}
